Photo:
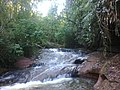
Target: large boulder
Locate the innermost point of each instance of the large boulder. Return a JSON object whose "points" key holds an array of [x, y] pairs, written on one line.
{"points": [[23, 62], [93, 64], [106, 68]]}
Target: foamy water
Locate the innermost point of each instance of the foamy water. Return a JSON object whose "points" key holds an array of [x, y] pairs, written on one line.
{"points": [[32, 84]]}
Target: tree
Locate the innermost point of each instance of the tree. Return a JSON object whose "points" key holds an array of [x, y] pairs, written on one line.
{"points": [[80, 19], [109, 18]]}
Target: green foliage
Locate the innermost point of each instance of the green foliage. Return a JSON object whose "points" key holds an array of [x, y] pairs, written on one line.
{"points": [[11, 12], [16, 49], [22, 30], [80, 20]]}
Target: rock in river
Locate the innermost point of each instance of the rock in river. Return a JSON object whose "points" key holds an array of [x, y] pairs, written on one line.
{"points": [[107, 70], [23, 62]]}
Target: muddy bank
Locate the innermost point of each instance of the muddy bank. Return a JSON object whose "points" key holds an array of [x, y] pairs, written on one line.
{"points": [[105, 68]]}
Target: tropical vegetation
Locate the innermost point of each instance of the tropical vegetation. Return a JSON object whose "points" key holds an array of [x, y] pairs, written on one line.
{"points": [[82, 23]]}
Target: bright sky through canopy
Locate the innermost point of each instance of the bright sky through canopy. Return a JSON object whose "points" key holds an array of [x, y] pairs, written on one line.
{"points": [[43, 7]]}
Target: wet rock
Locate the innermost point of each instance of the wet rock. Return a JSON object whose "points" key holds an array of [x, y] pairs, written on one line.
{"points": [[11, 77], [23, 62], [93, 64], [36, 64], [79, 61], [74, 72]]}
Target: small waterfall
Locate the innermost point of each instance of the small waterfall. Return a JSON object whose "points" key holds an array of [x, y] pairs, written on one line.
{"points": [[53, 69]]}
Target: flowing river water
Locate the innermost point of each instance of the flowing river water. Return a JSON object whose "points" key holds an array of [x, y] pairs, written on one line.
{"points": [[52, 71]]}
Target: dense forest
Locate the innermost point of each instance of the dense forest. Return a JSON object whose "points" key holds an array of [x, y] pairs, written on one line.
{"points": [[89, 24]]}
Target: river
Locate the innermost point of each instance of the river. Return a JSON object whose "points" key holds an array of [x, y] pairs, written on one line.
{"points": [[53, 70]]}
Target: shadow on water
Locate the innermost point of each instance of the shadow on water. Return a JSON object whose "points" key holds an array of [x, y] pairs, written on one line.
{"points": [[52, 71]]}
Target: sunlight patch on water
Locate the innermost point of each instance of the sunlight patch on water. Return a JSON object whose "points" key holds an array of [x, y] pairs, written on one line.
{"points": [[57, 52], [82, 57], [54, 50], [33, 84], [61, 53]]}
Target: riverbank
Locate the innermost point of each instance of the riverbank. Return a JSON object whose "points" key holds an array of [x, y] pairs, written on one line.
{"points": [[105, 68]]}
